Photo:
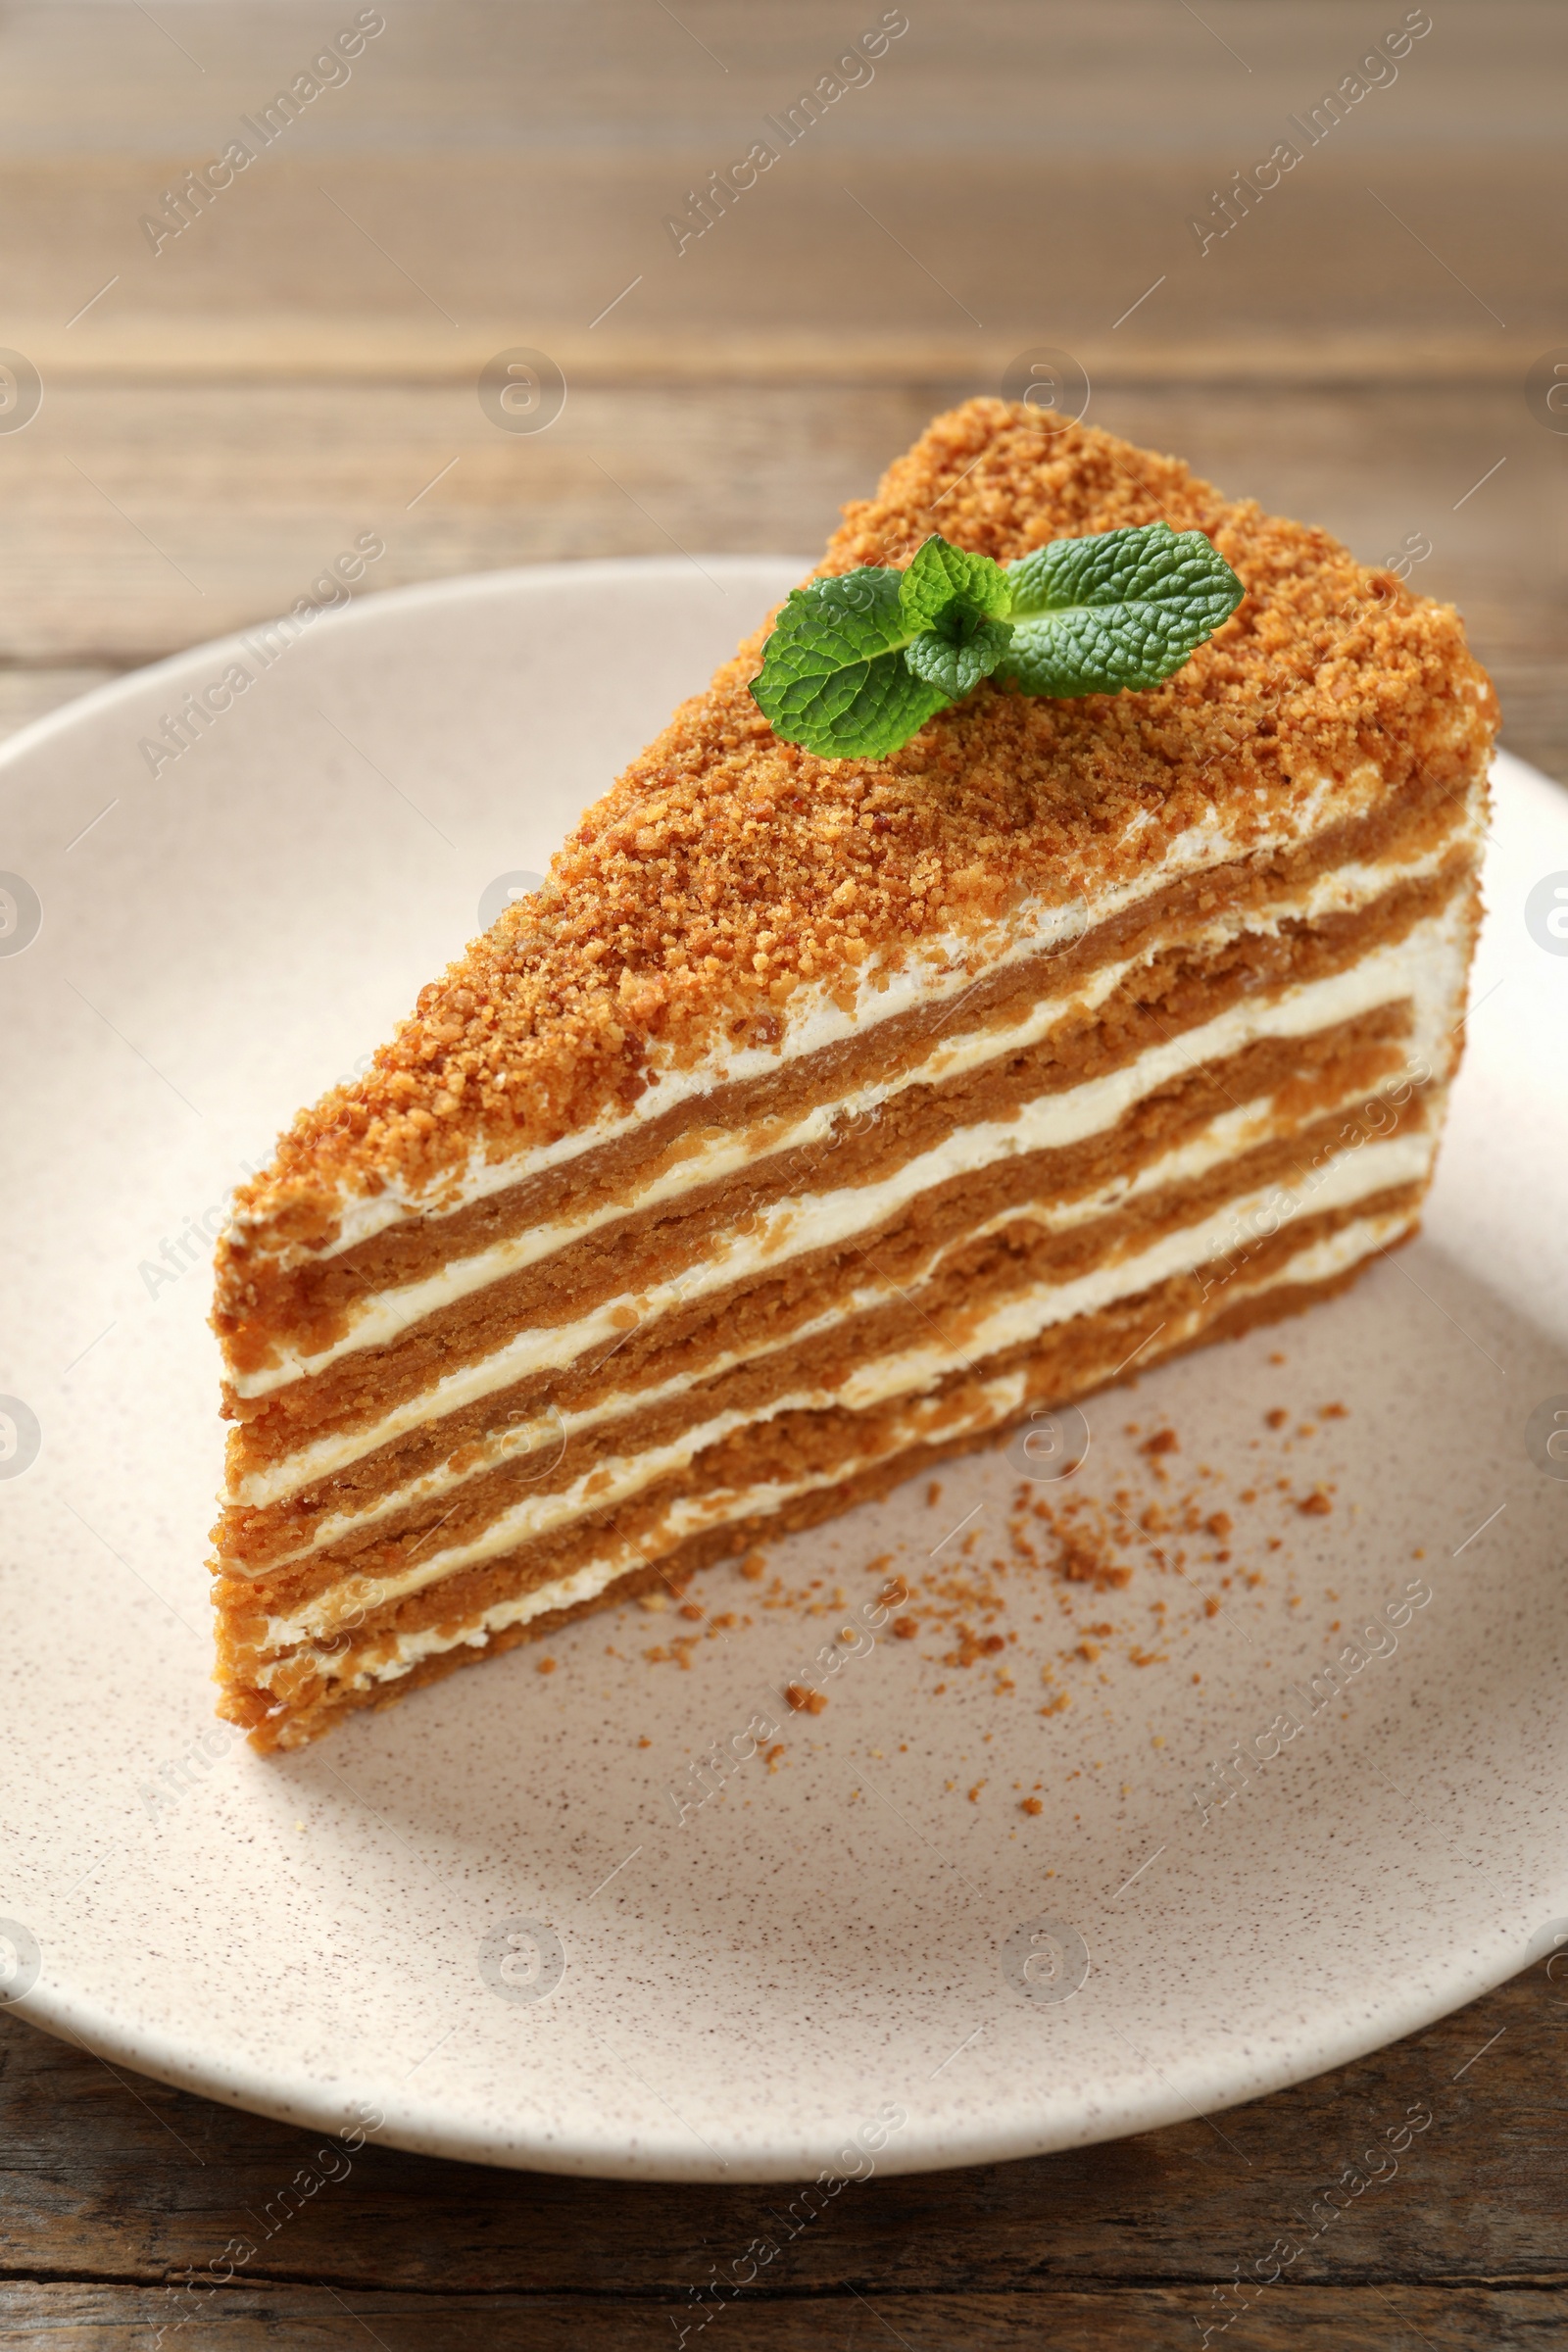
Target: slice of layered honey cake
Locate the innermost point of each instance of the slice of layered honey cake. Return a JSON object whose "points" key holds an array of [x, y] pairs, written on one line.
{"points": [[977, 987]]}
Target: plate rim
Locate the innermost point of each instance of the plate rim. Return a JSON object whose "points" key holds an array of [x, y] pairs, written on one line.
{"points": [[428, 2128], [578, 2155], [360, 613]]}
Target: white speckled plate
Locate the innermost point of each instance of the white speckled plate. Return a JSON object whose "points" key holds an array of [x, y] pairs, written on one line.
{"points": [[482, 1916]]}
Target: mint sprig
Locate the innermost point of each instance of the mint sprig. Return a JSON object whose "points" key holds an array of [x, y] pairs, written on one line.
{"points": [[1115, 613], [834, 677], [857, 665]]}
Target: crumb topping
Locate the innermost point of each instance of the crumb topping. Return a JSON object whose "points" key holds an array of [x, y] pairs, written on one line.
{"points": [[727, 872]]}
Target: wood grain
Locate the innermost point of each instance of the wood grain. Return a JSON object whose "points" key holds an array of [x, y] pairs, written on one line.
{"points": [[114, 2192], [1394, 2317], [145, 518], [998, 177]]}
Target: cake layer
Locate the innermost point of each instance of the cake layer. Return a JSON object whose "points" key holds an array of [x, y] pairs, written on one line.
{"points": [[351, 1586], [300, 1308], [1226, 1129], [1055, 1267], [999, 1291], [1176, 1135], [1162, 1017], [736, 1491], [422, 1659]]}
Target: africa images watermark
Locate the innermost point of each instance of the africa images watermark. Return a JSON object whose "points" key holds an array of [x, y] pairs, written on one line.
{"points": [[178, 1775], [332, 2163], [193, 1243], [1377, 1637], [202, 709], [857, 2161], [706, 205], [1377, 70], [184, 204], [799, 1692], [1381, 2163], [1257, 1225]]}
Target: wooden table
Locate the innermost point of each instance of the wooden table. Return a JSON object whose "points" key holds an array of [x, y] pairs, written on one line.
{"points": [[299, 366], [116, 2190]]}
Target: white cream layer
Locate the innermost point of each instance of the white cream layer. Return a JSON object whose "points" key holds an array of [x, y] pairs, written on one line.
{"points": [[686, 1517], [939, 968], [1233, 1132], [1000, 1398], [549, 1435], [383, 1316], [1228, 1237], [1426, 967]]}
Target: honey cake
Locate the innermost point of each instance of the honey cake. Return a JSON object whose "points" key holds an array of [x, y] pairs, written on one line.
{"points": [[820, 1118]]}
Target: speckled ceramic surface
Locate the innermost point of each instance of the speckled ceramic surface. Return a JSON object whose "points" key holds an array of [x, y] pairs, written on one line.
{"points": [[504, 1917]]}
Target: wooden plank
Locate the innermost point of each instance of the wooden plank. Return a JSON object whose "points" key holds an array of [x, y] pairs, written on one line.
{"points": [[261, 348], [109, 2177], [1396, 2317], [490, 176], [144, 518]]}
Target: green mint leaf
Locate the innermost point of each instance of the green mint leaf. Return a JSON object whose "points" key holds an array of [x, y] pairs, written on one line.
{"points": [[857, 665], [1121, 610], [942, 578], [833, 677], [957, 658]]}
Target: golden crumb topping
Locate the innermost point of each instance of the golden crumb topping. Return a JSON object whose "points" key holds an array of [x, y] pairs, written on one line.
{"points": [[727, 876]]}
